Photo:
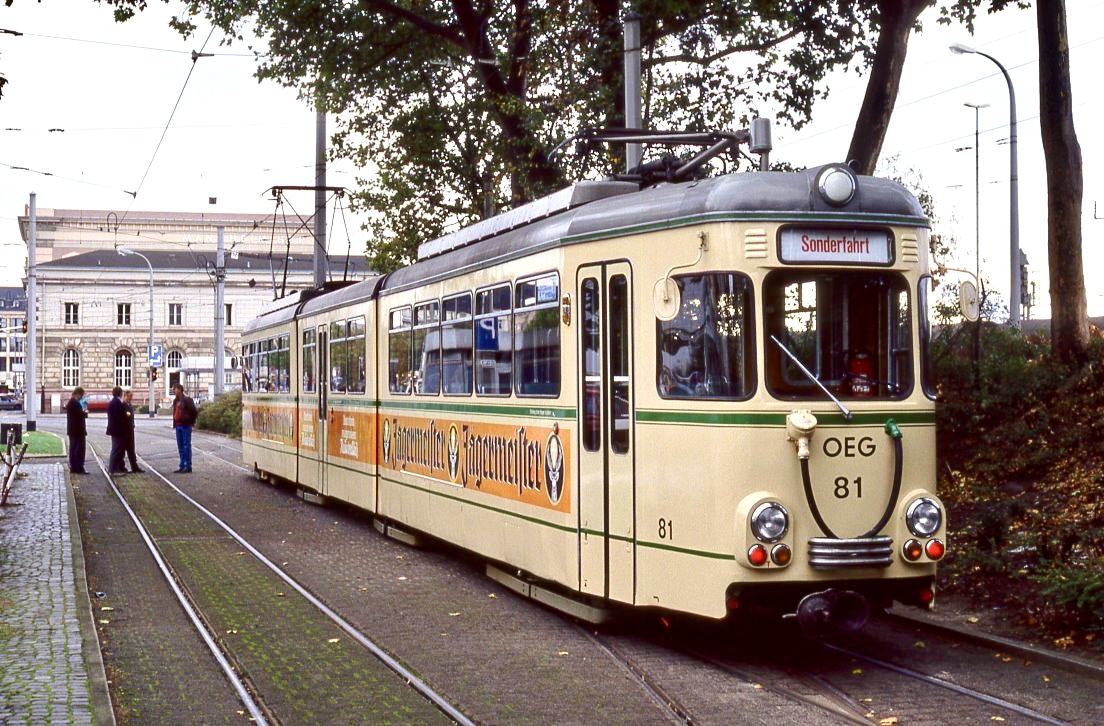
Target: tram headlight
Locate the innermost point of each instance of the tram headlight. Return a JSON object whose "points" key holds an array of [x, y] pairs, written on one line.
{"points": [[836, 184], [770, 521], [924, 517]]}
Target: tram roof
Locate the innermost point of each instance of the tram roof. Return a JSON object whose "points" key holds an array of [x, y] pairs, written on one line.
{"points": [[569, 217], [748, 195]]}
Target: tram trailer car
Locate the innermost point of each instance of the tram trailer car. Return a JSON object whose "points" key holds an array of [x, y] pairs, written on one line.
{"points": [[708, 397]]}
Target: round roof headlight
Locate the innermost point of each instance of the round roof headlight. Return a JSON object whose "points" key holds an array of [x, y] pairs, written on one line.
{"points": [[769, 522], [836, 185], [924, 517]]}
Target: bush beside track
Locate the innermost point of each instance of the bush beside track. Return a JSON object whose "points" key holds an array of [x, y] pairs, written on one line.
{"points": [[222, 414], [1021, 470]]}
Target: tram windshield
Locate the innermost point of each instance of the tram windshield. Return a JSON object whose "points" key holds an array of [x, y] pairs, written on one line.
{"points": [[852, 330]]}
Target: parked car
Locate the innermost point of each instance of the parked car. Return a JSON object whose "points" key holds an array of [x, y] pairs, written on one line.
{"points": [[97, 402], [10, 402]]}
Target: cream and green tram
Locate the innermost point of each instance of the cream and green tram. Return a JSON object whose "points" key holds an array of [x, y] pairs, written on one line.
{"points": [[707, 397]]}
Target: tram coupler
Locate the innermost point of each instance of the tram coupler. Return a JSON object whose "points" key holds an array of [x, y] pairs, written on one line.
{"points": [[832, 612]]}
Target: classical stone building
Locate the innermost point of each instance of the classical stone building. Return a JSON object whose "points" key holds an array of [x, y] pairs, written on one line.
{"points": [[94, 300], [13, 313]]}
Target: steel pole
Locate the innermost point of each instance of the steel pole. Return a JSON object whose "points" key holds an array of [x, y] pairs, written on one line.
{"points": [[151, 404], [1013, 199]]}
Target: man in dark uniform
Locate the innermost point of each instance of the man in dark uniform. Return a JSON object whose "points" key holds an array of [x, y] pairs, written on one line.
{"points": [[130, 454], [118, 428], [77, 430]]}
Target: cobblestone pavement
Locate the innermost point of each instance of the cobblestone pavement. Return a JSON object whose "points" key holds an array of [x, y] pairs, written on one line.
{"points": [[50, 666]]}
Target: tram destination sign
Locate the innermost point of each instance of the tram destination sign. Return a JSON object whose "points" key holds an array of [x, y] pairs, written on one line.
{"points": [[855, 247]]}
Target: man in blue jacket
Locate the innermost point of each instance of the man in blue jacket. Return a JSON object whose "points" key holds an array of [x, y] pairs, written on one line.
{"points": [[118, 428]]}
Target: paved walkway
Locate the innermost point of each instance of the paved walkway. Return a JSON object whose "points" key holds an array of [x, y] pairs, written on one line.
{"points": [[50, 666]]}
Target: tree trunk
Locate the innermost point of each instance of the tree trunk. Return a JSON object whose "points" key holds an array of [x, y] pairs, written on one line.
{"points": [[896, 18], [1069, 324]]}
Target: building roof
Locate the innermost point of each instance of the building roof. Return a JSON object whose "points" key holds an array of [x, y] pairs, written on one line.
{"points": [[121, 217], [13, 299], [202, 260]]}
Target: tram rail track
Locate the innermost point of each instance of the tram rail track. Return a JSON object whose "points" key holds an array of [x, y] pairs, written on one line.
{"points": [[235, 664], [854, 685], [819, 684]]}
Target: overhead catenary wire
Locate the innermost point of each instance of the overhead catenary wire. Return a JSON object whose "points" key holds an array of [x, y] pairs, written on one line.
{"points": [[168, 124]]}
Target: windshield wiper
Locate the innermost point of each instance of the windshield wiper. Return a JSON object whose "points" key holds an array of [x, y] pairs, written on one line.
{"points": [[811, 377]]}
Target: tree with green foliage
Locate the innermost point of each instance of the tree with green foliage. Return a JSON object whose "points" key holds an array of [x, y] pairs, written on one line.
{"points": [[452, 108]]}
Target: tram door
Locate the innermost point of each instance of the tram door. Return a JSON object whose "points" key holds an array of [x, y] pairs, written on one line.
{"points": [[321, 421], [607, 532]]}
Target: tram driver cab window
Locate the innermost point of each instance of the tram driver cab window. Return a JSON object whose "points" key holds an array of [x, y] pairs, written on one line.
{"points": [[850, 330], [707, 350]]}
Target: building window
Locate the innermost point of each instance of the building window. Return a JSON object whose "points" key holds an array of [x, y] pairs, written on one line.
{"points": [[122, 314], [124, 368], [229, 317], [175, 359], [176, 313], [72, 313], [70, 369]]}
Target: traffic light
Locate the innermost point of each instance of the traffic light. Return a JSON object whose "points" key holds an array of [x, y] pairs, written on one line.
{"points": [[24, 326], [153, 373]]}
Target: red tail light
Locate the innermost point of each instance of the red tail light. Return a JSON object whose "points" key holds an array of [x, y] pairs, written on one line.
{"points": [[935, 549]]}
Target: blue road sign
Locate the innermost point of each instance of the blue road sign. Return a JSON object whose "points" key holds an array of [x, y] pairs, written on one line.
{"points": [[155, 352]]}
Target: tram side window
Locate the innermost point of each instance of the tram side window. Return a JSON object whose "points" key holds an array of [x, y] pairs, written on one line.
{"points": [[851, 330], [354, 355], [427, 348], [262, 366], [927, 374], [247, 368], [706, 350], [456, 345], [254, 366], [308, 361], [591, 363], [493, 364], [399, 368], [339, 367], [537, 336], [283, 364]]}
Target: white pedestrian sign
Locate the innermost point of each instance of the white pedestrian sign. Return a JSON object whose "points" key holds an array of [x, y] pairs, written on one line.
{"points": [[155, 356]]}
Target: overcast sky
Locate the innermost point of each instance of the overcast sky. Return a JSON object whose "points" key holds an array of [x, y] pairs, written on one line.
{"points": [[110, 90]]}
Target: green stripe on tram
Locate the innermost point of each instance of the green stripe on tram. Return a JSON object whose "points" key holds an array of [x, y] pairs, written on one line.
{"points": [[552, 525], [720, 418], [531, 411], [730, 216]]}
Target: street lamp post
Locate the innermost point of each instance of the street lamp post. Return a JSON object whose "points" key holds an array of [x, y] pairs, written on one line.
{"points": [[126, 252], [977, 234], [1013, 183], [977, 189]]}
